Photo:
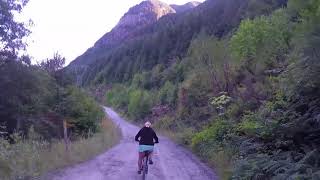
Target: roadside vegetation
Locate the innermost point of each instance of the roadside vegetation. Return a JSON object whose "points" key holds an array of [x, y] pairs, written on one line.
{"points": [[237, 82], [34, 157], [37, 104], [246, 102]]}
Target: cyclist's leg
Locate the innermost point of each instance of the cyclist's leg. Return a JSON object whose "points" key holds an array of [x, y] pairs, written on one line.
{"points": [[141, 156], [150, 156]]}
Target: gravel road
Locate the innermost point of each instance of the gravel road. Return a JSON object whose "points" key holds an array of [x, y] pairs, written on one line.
{"points": [[171, 161]]}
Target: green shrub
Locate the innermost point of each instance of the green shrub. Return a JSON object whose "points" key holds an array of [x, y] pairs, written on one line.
{"points": [[263, 39], [274, 106], [249, 125], [118, 96], [249, 128], [165, 123], [209, 144], [210, 136], [141, 80], [168, 93], [80, 110], [234, 110], [139, 104]]}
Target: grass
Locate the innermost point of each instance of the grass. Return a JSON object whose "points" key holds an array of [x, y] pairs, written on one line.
{"points": [[29, 158], [221, 162]]}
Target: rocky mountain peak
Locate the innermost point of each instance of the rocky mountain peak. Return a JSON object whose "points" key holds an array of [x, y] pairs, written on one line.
{"points": [[145, 13], [139, 16], [185, 7]]}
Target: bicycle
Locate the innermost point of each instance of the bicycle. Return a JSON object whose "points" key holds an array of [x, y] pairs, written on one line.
{"points": [[145, 167]]}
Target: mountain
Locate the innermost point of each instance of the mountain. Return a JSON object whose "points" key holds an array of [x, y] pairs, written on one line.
{"points": [[185, 7], [119, 55], [138, 17], [145, 13], [133, 25]]}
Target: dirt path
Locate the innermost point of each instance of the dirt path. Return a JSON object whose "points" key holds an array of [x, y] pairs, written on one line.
{"points": [[172, 162]]}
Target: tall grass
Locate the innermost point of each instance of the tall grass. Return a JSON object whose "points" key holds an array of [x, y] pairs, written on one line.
{"points": [[221, 161], [30, 158]]}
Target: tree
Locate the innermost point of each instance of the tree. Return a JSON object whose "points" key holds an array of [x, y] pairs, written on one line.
{"points": [[11, 31], [54, 64], [25, 91], [305, 71], [210, 55], [262, 41], [80, 110], [168, 93], [139, 103]]}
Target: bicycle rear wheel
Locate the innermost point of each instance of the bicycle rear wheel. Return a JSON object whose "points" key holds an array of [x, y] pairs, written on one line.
{"points": [[145, 168]]}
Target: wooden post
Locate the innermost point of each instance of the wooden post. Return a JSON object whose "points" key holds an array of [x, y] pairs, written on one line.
{"points": [[65, 134]]}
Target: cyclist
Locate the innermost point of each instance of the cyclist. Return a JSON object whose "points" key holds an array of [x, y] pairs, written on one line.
{"points": [[146, 138]]}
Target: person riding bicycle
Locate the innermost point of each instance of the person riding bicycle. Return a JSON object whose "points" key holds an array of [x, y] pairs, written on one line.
{"points": [[146, 138]]}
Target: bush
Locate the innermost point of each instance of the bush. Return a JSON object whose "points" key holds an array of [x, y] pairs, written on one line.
{"points": [[211, 136], [210, 145], [34, 157], [165, 123], [263, 39], [80, 110], [249, 125], [168, 94], [118, 96], [139, 104], [234, 110]]}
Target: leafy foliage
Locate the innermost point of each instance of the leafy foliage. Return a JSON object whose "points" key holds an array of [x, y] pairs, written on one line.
{"points": [[36, 98], [209, 136], [80, 110], [266, 91], [264, 39], [34, 102], [168, 93], [54, 64], [118, 96], [163, 41], [249, 125], [139, 104], [11, 31]]}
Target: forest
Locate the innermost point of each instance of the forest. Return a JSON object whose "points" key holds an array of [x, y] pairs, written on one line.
{"points": [[35, 100], [237, 82]]}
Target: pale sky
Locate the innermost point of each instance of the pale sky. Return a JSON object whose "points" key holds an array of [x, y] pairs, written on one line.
{"points": [[70, 27]]}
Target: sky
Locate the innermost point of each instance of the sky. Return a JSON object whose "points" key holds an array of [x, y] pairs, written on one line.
{"points": [[70, 27]]}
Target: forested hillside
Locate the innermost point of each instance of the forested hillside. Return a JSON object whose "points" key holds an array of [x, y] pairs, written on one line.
{"points": [[35, 100], [237, 81], [164, 41]]}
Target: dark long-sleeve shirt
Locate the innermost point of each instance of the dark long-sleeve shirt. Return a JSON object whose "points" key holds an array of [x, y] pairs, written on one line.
{"points": [[147, 136]]}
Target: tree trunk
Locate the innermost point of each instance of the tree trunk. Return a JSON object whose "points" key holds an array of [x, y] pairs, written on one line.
{"points": [[65, 134]]}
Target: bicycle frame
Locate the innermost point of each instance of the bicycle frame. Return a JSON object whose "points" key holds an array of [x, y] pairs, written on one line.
{"points": [[145, 165]]}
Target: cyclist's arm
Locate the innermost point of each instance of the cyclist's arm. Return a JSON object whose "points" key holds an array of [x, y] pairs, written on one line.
{"points": [[156, 139], [137, 136]]}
